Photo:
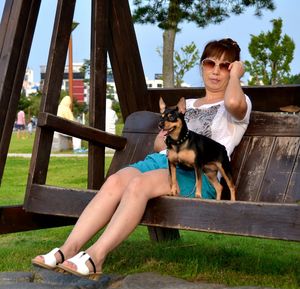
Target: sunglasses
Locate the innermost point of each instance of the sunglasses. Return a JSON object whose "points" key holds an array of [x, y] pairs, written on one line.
{"points": [[210, 64]]}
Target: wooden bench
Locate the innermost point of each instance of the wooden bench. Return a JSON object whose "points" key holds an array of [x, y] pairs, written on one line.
{"points": [[266, 167]]}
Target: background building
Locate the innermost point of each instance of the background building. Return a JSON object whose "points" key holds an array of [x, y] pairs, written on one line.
{"points": [[79, 88]]}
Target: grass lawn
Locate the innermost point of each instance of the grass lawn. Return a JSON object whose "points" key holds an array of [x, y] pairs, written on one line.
{"points": [[230, 260]]}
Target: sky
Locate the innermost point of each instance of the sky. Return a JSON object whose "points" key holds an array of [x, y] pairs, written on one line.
{"points": [[239, 28]]}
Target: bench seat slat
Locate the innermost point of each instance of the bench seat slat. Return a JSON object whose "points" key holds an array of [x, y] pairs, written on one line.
{"points": [[280, 168], [253, 170], [293, 193], [270, 220]]}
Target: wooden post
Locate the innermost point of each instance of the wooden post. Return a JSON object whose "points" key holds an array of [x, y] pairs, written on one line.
{"points": [[70, 72]]}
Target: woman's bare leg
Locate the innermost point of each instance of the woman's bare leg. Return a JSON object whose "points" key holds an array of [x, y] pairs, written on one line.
{"points": [[128, 214], [97, 213]]}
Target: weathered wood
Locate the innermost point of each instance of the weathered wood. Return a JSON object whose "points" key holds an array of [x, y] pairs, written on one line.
{"points": [[56, 199], [51, 91], [126, 61], [270, 220], [274, 124], [280, 167], [264, 98], [97, 101], [262, 209], [15, 219], [158, 234], [96, 136], [19, 20]]}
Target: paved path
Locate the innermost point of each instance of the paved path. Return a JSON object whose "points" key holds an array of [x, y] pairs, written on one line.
{"points": [[46, 279], [70, 155]]}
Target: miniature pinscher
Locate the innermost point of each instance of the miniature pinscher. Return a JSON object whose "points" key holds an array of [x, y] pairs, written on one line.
{"points": [[193, 150]]}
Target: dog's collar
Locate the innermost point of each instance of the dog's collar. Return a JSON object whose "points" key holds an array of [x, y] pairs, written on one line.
{"points": [[170, 141]]}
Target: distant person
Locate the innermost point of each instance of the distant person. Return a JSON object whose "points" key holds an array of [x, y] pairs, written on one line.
{"points": [[110, 118], [30, 127], [20, 124], [65, 111], [64, 108]]}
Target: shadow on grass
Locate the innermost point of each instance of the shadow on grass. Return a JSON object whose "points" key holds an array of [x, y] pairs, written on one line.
{"points": [[213, 258]]}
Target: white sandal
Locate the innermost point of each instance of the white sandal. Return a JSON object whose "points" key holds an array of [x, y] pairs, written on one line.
{"points": [[50, 261], [82, 269]]}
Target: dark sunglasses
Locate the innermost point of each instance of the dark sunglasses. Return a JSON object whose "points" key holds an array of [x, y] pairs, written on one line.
{"points": [[210, 64]]}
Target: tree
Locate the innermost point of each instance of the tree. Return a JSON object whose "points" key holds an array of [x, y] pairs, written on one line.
{"points": [[169, 14], [294, 79], [185, 61], [272, 54]]}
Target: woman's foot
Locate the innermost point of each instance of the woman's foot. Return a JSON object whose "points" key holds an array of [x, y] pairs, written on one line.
{"points": [[49, 260], [81, 265]]}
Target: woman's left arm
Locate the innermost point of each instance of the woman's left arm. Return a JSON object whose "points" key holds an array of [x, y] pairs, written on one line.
{"points": [[234, 99]]}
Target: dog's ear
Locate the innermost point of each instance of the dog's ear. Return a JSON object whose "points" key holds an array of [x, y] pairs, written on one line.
{"points": [[162, 105], [181, 105]]}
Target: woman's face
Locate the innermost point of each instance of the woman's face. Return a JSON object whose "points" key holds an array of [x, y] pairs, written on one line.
{"points": [[215, 73]]}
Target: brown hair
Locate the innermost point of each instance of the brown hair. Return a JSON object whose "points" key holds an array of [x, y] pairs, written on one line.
{"points": [[217, 48]]}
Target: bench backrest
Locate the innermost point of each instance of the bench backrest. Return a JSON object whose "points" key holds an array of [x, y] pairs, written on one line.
{"points": [[266, 164]]}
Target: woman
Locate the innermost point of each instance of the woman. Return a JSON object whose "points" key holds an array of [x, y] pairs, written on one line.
{"points": [[223, 114]]}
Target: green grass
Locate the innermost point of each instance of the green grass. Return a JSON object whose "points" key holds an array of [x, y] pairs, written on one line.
{"points": [[21, 145], [229, 260]]}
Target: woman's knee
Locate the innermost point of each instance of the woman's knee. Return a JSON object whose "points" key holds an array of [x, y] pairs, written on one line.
{"points": [[136, 188], [113, 185]]}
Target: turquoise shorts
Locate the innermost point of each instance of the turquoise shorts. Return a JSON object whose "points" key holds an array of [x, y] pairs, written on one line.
{"points": [[185, 178]]}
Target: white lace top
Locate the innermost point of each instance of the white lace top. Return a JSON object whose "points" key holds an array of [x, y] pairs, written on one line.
{"points": [[213, 121]]}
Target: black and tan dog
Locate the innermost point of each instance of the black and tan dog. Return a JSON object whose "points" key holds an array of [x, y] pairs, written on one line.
{"points": [[193, 150]]}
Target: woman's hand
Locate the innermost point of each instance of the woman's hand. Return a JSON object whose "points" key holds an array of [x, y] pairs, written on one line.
{"points": [[237, 69], [235, 100], [159, 143]]}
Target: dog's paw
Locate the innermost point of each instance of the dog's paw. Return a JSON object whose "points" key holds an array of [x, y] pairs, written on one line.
{"points": [[174, 191], [198, 195]]}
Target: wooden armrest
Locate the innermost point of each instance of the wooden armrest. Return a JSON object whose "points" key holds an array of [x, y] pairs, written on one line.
{"points": [[76, 129]]}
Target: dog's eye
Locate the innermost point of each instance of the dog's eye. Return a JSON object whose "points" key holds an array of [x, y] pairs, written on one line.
{"points": [[172, 117]]}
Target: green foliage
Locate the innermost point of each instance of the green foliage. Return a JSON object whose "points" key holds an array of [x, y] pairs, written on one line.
{"points": [[85, 70], [79, 108], [185, 61], [24, 103], [168, 14], [293, 79], [272, 53]]}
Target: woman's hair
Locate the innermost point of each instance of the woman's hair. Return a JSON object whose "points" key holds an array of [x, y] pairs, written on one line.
{"points": [[217, 48]]}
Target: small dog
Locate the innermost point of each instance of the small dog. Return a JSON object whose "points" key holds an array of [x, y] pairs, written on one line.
{"points": [[193, 150]]}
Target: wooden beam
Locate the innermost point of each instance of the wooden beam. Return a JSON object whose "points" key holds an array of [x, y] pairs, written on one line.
{"points": [[126, 62], [17, 29], [97, 102], [264, 98], [268, 220], [51, 91], [15, 219], [72, 128]]}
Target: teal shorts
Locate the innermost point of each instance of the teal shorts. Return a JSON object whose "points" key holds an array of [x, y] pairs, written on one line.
{"points": [[185, 178]]}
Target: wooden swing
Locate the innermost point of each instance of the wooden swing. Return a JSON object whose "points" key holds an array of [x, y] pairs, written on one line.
{"points": [[266, 163]]}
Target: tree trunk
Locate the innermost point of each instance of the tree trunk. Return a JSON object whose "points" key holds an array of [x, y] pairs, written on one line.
{"points": [[168, 60]]}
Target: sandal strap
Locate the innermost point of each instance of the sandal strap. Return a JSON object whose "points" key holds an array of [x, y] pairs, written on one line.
{"points": [[61, 255], [50, 260], [80, 261], [93, 264]]}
